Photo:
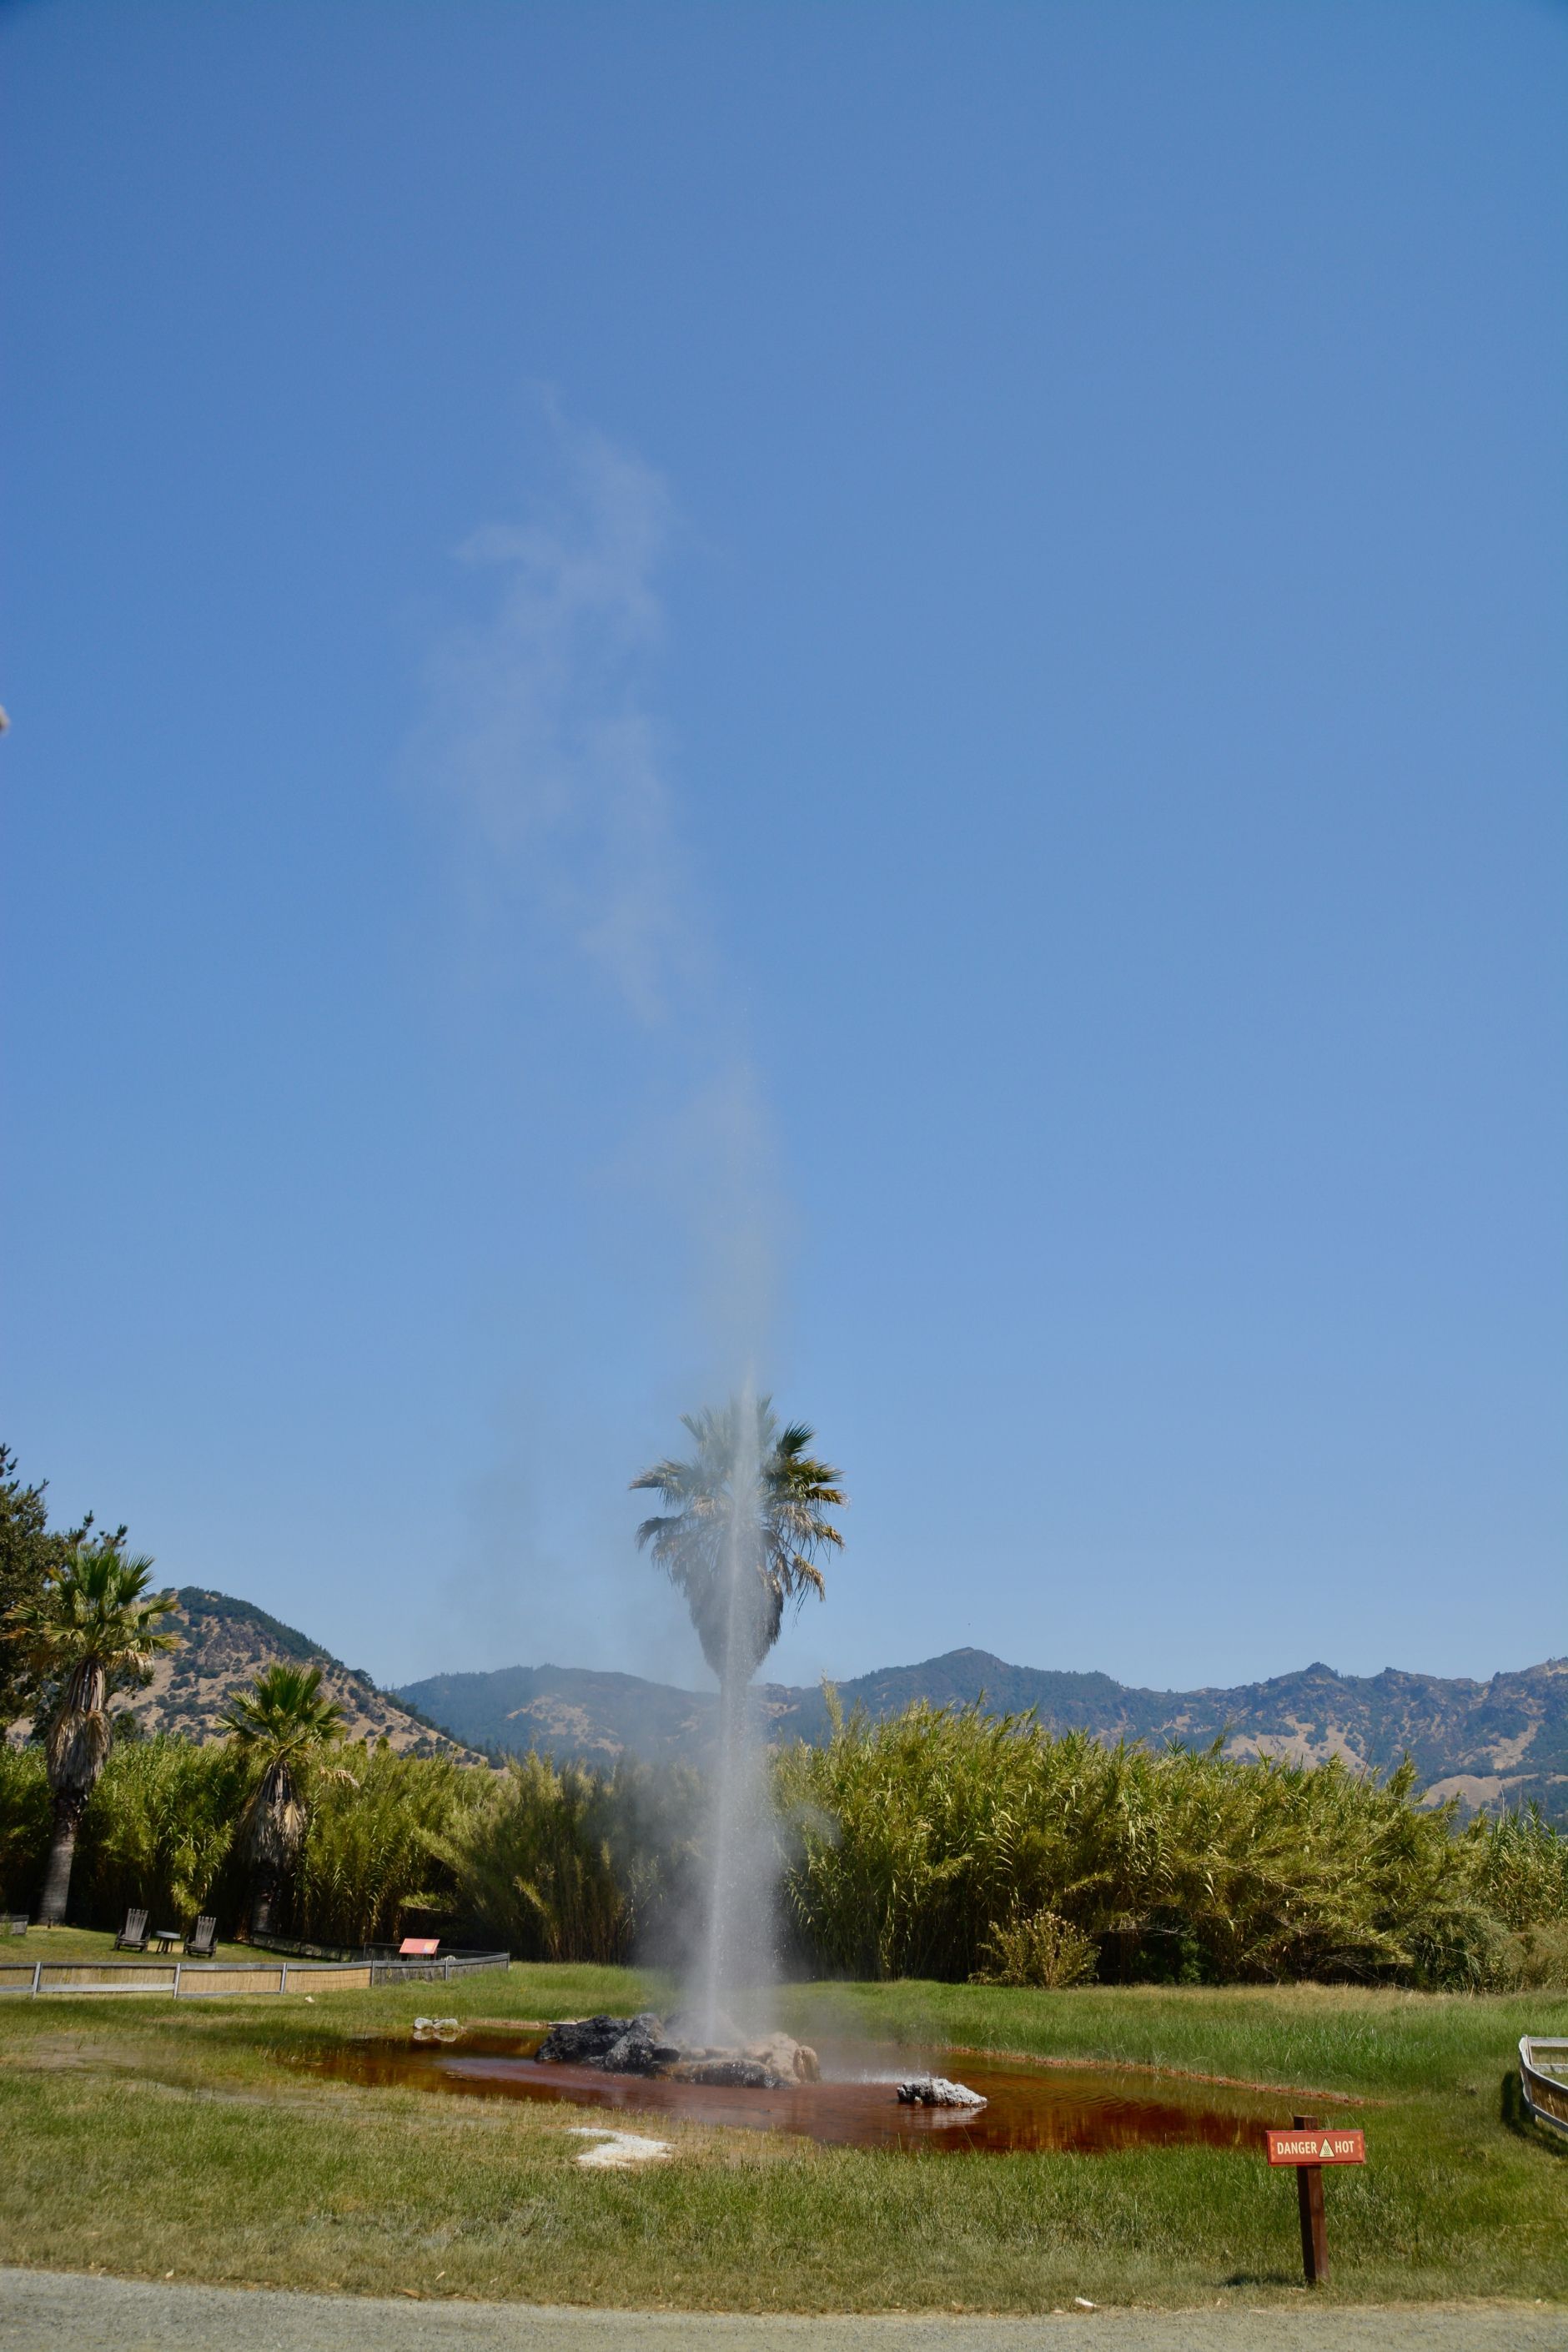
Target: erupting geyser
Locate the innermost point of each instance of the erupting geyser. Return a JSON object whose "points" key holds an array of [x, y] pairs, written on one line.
{"points": [[746, 1520]]}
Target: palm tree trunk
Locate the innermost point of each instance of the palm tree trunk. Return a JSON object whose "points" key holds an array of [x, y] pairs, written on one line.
{"points": [[69, 1808], [264, 1900], [73, 1755], [277, 1830]]}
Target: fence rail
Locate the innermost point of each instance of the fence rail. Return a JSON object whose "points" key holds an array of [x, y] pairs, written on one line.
{"points": [[291, 1948], [436, 1971], [384, 1956], [199, 1980], [1543, 2071]]}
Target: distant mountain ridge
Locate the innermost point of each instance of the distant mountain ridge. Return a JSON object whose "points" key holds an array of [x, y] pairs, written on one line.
{"points": [[1504, 1741], [225, 1644], [1491, 1743]]}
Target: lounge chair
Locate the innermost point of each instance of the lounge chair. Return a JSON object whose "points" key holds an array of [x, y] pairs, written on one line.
{"points": [[199, 1943], [133, 1937]]}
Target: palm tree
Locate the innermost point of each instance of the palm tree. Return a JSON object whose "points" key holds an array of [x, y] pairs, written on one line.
{"points": [[746, 1523], [284, 1721], [91, 1631]]}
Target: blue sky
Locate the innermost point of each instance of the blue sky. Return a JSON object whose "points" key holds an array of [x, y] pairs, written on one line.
{"points": [[879, 686]]}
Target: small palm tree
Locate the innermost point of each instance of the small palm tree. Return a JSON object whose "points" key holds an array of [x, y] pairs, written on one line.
{"points": [[284, 1722], [746, 1523], [92, 1631]]}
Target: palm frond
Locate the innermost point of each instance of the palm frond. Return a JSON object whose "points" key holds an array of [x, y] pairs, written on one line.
{"points": [[93, 1630], [774, 1529], [284, 1713]]}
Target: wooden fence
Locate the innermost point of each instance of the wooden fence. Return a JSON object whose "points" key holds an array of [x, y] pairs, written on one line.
{"points": [[196, 1980], [440, 1971], [1543, 2071]]}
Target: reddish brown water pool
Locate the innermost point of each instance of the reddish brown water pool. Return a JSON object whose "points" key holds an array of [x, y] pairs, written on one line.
{"points": [[1069, 2110]]}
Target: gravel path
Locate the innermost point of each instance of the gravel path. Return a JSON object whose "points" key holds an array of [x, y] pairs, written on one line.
{"points": [[51, 2311]]}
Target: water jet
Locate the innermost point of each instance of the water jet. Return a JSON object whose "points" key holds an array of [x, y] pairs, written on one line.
{"points": [[746, 1520]]}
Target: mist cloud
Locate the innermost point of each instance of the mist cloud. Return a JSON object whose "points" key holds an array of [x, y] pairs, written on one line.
{"points": [[543, 734], [540, 729]]}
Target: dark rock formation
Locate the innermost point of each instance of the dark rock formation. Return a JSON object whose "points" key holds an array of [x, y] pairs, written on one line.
{"points": [[616, 2045], [644, 2046]]}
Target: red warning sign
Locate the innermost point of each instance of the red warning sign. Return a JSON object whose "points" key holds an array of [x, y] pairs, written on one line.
{"points": [[1315, 2147]]}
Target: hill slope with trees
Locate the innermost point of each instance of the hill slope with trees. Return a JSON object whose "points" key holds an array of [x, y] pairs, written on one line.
{"points": [[225, 1644]]}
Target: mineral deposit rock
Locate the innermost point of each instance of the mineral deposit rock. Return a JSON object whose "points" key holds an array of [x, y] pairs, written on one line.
{"points": [[936, 2091], [730, 2073], [792, 2061]]}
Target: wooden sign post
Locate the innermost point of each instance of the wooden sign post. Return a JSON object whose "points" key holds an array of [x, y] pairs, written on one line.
{"points": [[1309, 2147]]}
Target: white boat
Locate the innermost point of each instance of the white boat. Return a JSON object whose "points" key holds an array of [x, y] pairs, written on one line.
{"points": [[1543, 2071]]}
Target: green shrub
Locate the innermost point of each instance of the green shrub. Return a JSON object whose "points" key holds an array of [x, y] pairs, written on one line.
{"points": [[1041, 1948]]}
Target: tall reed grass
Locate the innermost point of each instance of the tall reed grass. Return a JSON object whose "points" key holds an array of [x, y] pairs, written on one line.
{"points": [[159, 1829], [943, 1843], [915, 1841], [23, 1824], [374, 1842], [569, 1865], [1518, 1866]]}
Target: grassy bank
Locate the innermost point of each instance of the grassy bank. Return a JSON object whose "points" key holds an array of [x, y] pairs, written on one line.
{"points": [[96, 1944], [195, 2140]]}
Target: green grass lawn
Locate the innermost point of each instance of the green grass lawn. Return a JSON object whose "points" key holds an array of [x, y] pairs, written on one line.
{"points": [[150, 2138], [96, 1944]]}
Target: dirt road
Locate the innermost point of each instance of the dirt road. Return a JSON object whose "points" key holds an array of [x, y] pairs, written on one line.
{"points": [[48, 2310]]}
